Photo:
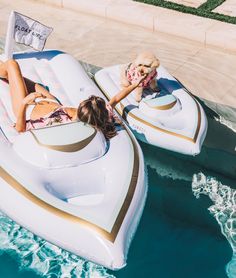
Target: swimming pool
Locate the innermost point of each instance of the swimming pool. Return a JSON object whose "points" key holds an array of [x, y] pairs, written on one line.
{"points": [[177, 235]]}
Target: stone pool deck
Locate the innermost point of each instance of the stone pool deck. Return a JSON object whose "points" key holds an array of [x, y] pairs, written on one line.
{"points": [[200, 52]]}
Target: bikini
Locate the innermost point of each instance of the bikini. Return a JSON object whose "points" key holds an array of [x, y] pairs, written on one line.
{"points": [[57, 116]]}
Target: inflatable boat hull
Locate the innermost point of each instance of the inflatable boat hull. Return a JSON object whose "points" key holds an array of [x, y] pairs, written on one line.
{"points": [[90, 207], [173, 120]]}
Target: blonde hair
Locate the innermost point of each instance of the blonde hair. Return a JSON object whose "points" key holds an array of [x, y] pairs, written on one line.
{"points": [[93, 111]]}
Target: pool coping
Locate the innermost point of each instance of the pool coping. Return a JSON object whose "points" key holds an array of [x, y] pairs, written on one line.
{"points": [[207, 31]]}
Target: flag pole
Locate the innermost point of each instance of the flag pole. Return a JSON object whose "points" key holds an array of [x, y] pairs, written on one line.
{"points": [[9, 43]]}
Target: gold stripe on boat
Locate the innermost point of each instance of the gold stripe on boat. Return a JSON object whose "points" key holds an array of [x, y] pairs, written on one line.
{"points": [[121, 112], [133, 182], [163, 107], [111, 236], [70, 147]]}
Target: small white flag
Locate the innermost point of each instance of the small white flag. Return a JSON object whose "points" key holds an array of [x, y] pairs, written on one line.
{"points": [[30, 32]]}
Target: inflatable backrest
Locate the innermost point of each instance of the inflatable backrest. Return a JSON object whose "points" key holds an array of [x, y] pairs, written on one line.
{"points": [[63, 145], [59, 72], [40, 70]]}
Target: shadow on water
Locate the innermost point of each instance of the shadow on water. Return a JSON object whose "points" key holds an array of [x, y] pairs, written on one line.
{"points": [[219, 149], [218, 152], [177, 236]]}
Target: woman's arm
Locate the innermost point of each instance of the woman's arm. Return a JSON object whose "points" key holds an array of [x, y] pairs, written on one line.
{"points": [[20, 125], [125, 92], [40, 89]]}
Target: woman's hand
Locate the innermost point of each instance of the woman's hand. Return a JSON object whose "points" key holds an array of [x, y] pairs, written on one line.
{"points": [[30, 98], [140, 79], [40, 89], [126, 91]]}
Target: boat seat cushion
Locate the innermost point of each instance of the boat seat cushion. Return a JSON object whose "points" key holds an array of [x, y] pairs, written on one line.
{"points": [[161, 103], [62, 145], [159, 106]]}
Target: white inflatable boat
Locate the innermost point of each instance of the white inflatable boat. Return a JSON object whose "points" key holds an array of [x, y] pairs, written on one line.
{"points": [[173, 120], [66, 183]]}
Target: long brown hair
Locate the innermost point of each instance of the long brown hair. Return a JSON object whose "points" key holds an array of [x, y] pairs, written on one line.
{"points": [[94, 112]]}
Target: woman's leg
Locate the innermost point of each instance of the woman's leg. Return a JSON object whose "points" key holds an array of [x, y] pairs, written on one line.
{"points": [[11, 71]]}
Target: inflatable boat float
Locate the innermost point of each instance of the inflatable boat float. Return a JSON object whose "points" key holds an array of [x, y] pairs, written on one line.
{"points": [[172, 119], [66, 183]]}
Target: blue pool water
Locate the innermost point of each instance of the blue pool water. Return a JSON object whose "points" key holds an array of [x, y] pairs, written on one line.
{"points": [[188, 228], [177, 236]]}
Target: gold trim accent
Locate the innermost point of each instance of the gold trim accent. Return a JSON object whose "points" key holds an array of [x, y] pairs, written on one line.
{"points": [[131, 190], [111, 236], [121, 112], [67, 148], [168, 131], [163, 107]]}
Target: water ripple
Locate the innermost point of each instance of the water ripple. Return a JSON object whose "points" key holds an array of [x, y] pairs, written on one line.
{"points": [[43, 257], [223, 210]]}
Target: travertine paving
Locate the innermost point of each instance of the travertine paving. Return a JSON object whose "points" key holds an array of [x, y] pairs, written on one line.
{"points": [[209, 73], [227, 8], [189, 3]]}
